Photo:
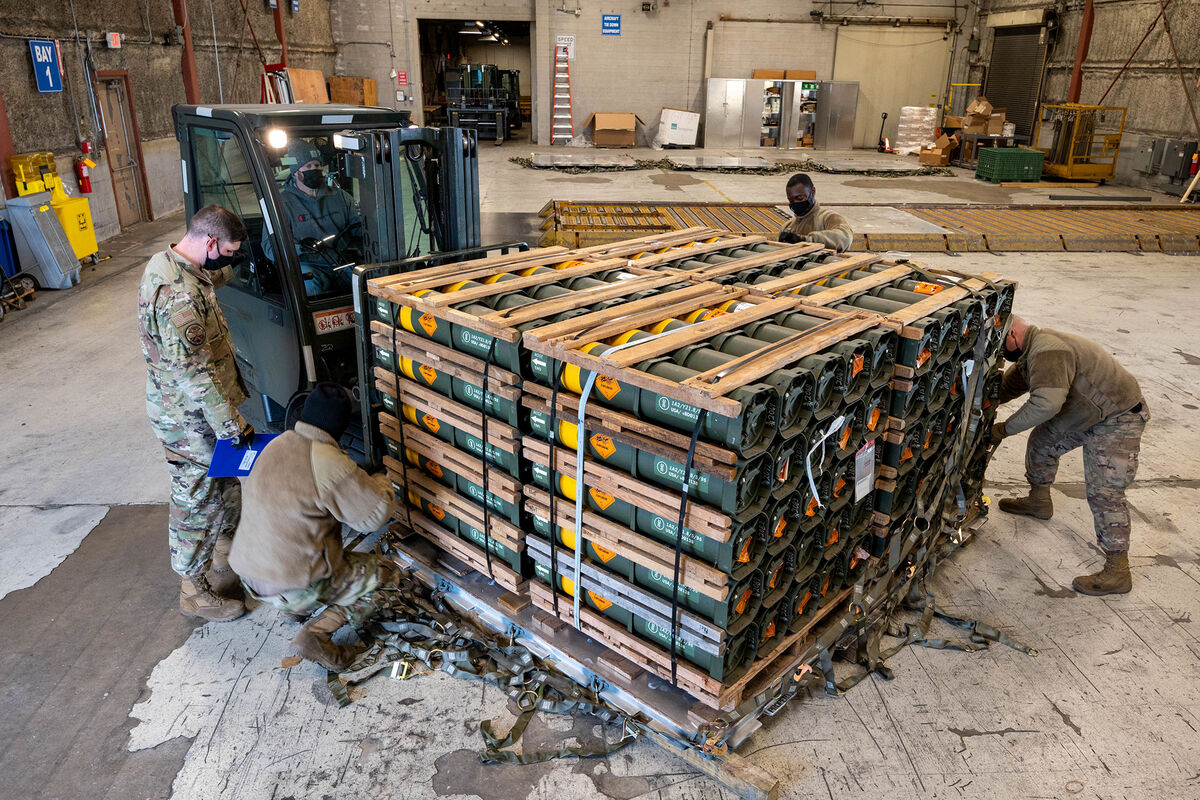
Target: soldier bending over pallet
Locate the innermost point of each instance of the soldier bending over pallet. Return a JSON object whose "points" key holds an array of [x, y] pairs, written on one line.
{"points": [[1079, 396]]}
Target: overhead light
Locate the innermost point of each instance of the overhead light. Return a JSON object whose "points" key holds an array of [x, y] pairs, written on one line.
{"points": [[277, 138], [470, 30], [478, 24], [491, 37]]}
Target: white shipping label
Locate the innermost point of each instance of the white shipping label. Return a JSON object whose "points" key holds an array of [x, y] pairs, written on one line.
{"points": [[248, 460], [864, 470]]}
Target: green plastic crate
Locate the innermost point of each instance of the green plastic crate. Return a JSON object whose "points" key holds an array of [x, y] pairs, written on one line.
{"points": [[998, 164]]}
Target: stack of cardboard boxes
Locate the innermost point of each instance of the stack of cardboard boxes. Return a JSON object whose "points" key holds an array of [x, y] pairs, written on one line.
{"points": [[981, 118], [784, 74]]}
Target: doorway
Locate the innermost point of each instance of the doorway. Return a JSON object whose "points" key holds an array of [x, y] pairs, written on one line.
{"points": [[124, 147], [447, 44]]}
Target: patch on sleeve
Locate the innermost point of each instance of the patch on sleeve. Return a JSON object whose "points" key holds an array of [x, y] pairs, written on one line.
{"points": [[195, 335]]}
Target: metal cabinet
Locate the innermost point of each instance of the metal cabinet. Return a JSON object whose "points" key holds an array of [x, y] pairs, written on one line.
{"points": [[1148, 155], [750, 113], [837, 104]]}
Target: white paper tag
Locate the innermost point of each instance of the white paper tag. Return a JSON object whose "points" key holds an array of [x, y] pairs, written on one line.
{"points": [[248, 460], [864, 470]]}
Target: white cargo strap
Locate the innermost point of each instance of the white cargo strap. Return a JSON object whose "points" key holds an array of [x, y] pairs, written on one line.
{"points": [[834, 427]]}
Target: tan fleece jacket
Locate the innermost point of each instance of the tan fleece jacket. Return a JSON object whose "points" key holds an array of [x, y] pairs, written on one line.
{"points": [[301, 490], [1072, 382], [823, 227]]}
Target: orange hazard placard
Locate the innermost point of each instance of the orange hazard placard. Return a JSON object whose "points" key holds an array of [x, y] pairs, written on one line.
{"points": [[927, 288], [605, 554], [603, 445], [603, 499], [600, 602], [428, 322], [431, 423], [609, 387], [436, 511], [428, 373]]}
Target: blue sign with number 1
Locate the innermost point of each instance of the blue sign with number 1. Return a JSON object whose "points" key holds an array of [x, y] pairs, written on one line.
{"points": [[45, 65]]}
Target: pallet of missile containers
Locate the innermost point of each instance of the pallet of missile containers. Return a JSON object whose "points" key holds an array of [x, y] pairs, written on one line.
{"points": [[448, 366], [760, 374]]}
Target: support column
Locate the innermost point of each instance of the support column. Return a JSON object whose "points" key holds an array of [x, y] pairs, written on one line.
{"points": [[191, 84], [6, 153], [280, 33], [1081, 51]]}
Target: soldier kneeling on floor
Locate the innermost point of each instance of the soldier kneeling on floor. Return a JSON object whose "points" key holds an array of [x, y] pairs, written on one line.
{"points": [[1079, 396], [288, 547]]}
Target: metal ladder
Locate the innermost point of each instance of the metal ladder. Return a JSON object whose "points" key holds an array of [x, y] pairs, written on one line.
{"points": [[562, 122]]}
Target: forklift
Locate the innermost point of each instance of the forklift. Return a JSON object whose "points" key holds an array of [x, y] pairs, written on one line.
{"points": [[296, 305]]}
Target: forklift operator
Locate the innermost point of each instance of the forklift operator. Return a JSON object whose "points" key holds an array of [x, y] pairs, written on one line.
{"points": [[326, 224]]}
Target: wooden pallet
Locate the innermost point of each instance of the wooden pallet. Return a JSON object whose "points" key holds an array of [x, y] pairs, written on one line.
{"points": [[455, 363], [460, 462], [466, 552], [656, 660]]}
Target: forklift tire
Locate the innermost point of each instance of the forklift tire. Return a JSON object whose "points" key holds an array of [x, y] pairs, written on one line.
{"points": [[25, 283], [294, 407]]}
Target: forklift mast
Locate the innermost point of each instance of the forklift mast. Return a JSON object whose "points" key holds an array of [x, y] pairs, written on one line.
{"points": [[392, 194]]}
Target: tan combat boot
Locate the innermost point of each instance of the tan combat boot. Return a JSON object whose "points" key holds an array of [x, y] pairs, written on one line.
{"points": [[223, 580], [197, 599], [1036, 505], [315, 641], [1113, 579]]}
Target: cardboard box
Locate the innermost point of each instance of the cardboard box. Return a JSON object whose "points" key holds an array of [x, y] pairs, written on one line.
{"points": [[354, 91], [995, 126], [933, 157], [678, 127], [952, 122], [800, 75], [769, 74], [975, 124], [613, 128], [980, 107], [938, 154]]}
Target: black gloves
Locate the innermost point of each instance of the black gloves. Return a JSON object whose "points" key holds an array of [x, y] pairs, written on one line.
{"points": [[244, 437]]}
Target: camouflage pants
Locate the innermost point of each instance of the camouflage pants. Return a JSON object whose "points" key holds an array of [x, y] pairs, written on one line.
{"points": [[360, 590], [1110, 462], [202, 510]]}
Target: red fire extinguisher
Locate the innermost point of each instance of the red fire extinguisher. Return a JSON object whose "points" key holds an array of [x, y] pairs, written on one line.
{"points": [[83, 168], [1195, 164]]}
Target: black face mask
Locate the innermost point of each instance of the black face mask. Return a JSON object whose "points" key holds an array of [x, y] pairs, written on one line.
{"points": [[802, 207], [1011, 355], [313, 178], [221, 261]]}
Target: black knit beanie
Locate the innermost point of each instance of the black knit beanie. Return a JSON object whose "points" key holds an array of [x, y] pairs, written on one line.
{"points": [[328, 407]]}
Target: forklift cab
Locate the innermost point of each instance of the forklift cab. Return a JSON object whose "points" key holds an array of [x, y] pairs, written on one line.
{"points": [[372, 189]]}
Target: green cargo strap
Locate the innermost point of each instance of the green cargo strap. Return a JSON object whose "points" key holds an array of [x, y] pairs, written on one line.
{"points": [[495, 751]]}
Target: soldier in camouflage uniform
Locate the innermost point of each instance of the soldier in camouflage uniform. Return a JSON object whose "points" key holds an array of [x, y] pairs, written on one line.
{"points": [[1079, 396], [193, 391]]}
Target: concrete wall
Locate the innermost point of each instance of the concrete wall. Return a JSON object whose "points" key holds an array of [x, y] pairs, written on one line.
{"points": [[1150, 87], [152, 60], [658, 60]]}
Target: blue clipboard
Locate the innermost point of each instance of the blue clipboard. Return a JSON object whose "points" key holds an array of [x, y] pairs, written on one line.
{"points": [[229, 462]]}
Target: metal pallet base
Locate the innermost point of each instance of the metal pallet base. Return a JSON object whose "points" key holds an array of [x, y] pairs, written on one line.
{"points": [[677, 721]]}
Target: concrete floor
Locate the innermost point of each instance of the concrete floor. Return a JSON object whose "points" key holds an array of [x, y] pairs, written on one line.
{"points": [[107, 692]]}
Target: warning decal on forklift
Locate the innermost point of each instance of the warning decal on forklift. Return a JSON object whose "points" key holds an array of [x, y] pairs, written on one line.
{"points": [[338, 319]]}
